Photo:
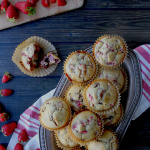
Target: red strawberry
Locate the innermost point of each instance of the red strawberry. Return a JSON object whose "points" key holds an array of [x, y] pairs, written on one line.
{"points": [[4, 5], [62, 2], [18, 147], [23, 136], [2, 148], [32, 1], [37, 149], [3, 117], [26, 8], [6, 77], [11, 14], [53, 1], [5, 92], [8, 129], [45, 3]]}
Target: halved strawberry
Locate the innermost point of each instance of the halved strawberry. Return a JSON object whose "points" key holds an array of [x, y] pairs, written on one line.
{"points": [[62, 2], [4, 5], [32, 1], [11, 13], [53, 1]]}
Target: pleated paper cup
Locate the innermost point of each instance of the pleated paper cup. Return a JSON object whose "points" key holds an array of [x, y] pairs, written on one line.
{"points": [[125, 86], [45, 45]]}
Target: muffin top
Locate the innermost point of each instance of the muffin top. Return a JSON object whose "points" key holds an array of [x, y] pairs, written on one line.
{"points": [[80, 67], [86, 126], [74, 96], [64, 138], [109, 51], [113, 117], [54, 113], [109, 140], [101, 95], [95, 145], [31, 56], [115, 75]]}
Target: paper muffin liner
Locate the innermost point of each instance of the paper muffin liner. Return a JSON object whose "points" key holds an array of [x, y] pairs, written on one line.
{"points": [[125, 86], [65, 96], [119, 119], [45, 45], [70, 115], [76, 139], [59, 144], [107, 111], [88, 81], [125, 46]]}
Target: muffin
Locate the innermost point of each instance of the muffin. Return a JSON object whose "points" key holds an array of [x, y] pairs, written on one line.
{"points": [[49, 59], [74, 96], [31, 56], [85, 127], [95, 145], [101, 96], [115, 75], [54, 113], [109, 51], [114, 117], [80, 67], [63, 139]]}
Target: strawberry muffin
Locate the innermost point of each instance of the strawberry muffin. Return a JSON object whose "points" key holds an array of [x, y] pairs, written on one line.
{"points": [[110, 51], [115, 75], [85, 127], [63, 139], [31, 56], [74, 96], [80, 67], [101, 96], [54, 113]]}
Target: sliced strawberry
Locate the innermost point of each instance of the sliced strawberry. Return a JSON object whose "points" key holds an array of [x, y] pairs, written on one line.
{"points": [[5, 92], [32, 1], [2, 148], [6, 77], [45, 3], [11, 14], [4, 5], [18, 147], [61, 3], [23, 136], [53, 1], [8, 129], [26, 8], [3, 117]]}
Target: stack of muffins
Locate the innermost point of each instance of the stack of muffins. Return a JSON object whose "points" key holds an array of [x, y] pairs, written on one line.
{"points": [[84, 117]]}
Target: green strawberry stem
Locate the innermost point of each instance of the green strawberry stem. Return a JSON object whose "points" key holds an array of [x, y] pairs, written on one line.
{"points": [[11, 20], [1, 93], [31, 11]]}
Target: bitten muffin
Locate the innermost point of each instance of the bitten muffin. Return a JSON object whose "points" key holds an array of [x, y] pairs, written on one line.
{"points": [[54, 113], [80, 67], [49, 59], [115, 75], [101, 95], [110, 51], [85, 127], [65, 140], [74, 96], [113, 117], [31, 56]]}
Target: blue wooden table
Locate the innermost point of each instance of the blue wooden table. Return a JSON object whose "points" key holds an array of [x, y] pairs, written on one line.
{"points": [[75, 30]]}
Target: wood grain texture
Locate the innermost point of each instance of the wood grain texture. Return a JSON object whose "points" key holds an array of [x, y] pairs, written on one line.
{"points": [[41, 12], [75, 30]]}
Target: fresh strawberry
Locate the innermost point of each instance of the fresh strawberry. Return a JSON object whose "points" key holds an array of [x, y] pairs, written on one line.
{"points": [[23, 136], [62, 2], [2, 148], [8, 129], [37, 149], [4, 5], [26, 8], [32, 1], [11, 13], [5, 92], [18, 147], [3, 117], [6, 77], [53, 1], [45, 3]]}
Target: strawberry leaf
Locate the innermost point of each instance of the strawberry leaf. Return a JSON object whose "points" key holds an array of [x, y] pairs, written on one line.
{"points": [[11, 20], [31, 11]]}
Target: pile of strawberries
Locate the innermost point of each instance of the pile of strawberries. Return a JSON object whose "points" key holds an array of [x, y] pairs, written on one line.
{"points": [[8, 128], [26, 7]]}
